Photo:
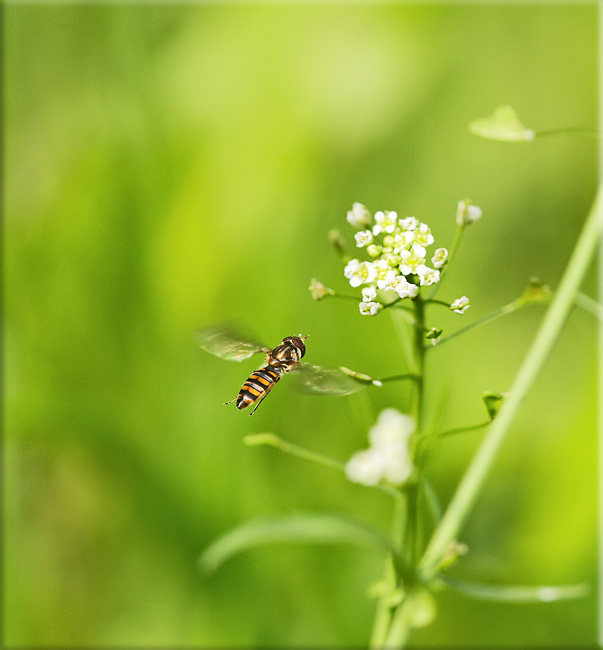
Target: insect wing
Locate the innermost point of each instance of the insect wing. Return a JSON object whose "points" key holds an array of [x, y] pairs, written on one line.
{"points": [[324, 381], [226, 344]]}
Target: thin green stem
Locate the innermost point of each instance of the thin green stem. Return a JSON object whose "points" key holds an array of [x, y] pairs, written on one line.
{"points": [[408, 375], [345, 297], [502, 311], [412, 527], [454, 432], [451, 253], [420, 356], [438, 302], [272, 440], [575, 130], [394, 303], [383, 615], [400, 628], [467, 492], [589, 305], [275, 441]]}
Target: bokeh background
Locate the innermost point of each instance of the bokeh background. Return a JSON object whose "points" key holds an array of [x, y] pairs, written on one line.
{"points": [[170, 167]]}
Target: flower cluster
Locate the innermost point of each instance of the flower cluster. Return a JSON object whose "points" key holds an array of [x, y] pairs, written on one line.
{"points": [[399, 258], [388, 457]]}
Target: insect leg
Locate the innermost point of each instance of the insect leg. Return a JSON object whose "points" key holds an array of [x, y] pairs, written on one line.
{"points": [[231, 401], [260, 400]]}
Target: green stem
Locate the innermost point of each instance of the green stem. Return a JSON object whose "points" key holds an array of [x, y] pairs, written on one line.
{"points": [[272, 440], [502, 311], [589, 305], [451, 253], [346, 297], [408, 375], [400, 628], [383, 615], [467, 492], [453, 432], [420, 355], [576, 130], [438, 302], [412, 525]]}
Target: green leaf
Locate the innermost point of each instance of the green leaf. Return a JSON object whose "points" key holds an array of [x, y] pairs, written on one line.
{"points": [[306, 528], [503, 125], [518, 593]]}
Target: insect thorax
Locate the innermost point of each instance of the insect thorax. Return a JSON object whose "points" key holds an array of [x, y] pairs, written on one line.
{"points": [[284, 355]]}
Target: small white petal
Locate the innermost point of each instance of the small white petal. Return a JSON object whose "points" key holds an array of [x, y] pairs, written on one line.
{"points": [[363, 238], [359, 216], [439, 258], [365, 467], [398, 468], [460, 305], [392, 430], [369, 293]]}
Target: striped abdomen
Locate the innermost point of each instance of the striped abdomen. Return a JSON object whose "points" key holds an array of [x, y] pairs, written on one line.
{"points": [[259, 384]]}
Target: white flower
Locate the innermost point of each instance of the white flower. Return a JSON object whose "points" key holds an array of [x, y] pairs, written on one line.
{"points": [[404, 288], [370, 308], [388, 457], [365, 467], [427, 275], [385, 222], [359, 272], [423, 235], [392, 430], [467, 213], [359, 216], [460, 305], [404, 240], [385, 274], [369, 293], [412, 259], [363, 238], [440, 257], [410, 223], [351, 268], [398, 467]]}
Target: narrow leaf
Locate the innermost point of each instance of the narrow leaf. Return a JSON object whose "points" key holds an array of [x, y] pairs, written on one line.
{"points": [[306, 528], [518, 593], [503, 125]]}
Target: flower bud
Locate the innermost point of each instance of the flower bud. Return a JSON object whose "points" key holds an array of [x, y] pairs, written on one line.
{"points": [[536, 291], [467, 212], [318, 290], [434, 335], [493, 402], [359, 216], [339, 244]]}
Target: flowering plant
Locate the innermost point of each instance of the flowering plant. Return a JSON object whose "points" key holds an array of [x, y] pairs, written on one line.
{"points": [[400, 273]]}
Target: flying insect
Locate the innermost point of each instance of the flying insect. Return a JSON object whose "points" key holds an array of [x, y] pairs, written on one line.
{"points": [[280, 360]]}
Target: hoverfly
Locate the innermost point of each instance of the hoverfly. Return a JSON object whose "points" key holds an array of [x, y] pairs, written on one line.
{"points": [[284, 358]]}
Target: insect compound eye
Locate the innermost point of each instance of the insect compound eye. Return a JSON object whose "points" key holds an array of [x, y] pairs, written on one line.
{"points": [[296, 342]]}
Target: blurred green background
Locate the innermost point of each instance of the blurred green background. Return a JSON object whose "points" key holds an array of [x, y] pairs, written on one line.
{"points": [[170, 167]]}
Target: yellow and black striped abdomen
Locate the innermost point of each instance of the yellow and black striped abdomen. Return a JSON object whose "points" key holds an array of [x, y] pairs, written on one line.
{"points": [[259, 384]]}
